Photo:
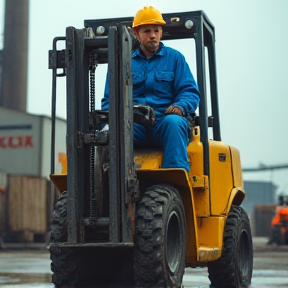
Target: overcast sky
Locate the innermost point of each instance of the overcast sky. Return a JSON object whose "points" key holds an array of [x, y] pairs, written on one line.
{"points": [[252, 67]]}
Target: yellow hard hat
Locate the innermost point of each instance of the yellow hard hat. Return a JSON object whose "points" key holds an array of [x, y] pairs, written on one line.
{"points": [[148, 15]]}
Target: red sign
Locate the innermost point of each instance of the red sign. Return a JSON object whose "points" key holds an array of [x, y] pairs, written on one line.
{"points": [[15, 142]]}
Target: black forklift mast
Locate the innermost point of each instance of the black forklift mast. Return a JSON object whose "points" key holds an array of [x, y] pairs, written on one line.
{"points": [[111, 41], [81, 55]]}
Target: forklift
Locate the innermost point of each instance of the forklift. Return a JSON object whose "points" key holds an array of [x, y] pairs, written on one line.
{"points": [[121, 220]]}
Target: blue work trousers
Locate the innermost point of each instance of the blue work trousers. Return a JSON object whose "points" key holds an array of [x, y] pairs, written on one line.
{"points": [[172, 133]]}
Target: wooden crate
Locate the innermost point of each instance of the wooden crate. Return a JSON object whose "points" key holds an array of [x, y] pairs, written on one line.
{"points": [[27, 204]]}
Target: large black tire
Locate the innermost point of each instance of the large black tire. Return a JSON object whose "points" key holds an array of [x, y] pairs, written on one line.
{"points": [[63, 263], [234, 268], [59, 221], [160, 238], [86, 267]]}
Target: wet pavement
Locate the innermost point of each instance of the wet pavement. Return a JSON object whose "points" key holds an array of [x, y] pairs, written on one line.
{"points": [[31, 268]]}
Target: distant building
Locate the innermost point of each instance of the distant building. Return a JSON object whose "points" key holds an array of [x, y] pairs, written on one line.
{"points": [[25, 143], [259, 203], [258, 193]]}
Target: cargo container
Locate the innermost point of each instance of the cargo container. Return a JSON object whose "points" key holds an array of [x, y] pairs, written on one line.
{"points": [[25, 143]]}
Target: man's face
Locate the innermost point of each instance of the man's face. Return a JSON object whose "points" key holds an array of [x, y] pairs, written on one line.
{"points": [[149, 37]]}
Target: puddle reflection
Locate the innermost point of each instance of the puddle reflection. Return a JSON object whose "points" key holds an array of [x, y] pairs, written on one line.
{"points": [[11, 280]]}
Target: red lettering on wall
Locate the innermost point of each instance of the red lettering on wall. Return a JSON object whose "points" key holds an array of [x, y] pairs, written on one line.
{"points": [[16, 142], [13, 142], [28, 142], [2, 142]]}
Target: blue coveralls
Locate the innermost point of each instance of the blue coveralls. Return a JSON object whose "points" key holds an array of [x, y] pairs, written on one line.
{"points": [[159, 82]]}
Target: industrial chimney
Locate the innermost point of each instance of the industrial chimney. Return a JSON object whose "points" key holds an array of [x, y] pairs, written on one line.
{"points": [[15, 55]]}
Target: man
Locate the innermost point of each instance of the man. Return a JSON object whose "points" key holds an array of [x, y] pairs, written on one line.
{"points": [[162, 80]]}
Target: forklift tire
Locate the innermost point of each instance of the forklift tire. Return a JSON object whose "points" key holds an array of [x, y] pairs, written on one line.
{"points": [[63, 264], [160, 238], [59, 221], [234, 268]]}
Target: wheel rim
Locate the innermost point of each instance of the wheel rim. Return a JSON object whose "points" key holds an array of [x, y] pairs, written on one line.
{"points": [[173, 242], [245, 252]]}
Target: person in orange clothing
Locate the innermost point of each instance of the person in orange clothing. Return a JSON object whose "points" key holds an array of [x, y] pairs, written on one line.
{"points": [[280, 216], [279, 224]]}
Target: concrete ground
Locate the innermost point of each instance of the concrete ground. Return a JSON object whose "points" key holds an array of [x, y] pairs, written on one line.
{"points": [[31, 268]]}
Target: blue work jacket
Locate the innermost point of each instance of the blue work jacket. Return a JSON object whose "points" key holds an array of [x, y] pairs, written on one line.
{"points": [[160, 81]]}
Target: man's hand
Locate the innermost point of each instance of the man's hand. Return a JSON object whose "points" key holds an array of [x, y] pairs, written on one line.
{"points": [[174, 110]]}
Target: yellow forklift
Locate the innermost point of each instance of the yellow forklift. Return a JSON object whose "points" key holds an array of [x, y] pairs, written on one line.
{"points": [[122, 220]]}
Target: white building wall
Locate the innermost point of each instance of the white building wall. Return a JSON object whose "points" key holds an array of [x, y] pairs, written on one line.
{"points": [[19, 142], [25, 143]]}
